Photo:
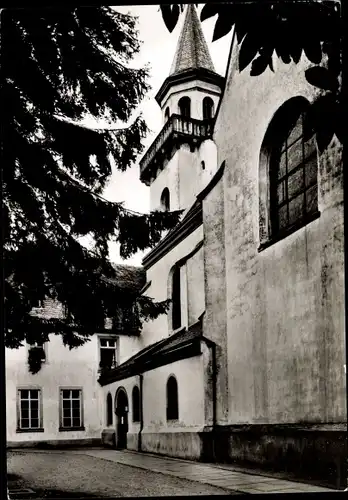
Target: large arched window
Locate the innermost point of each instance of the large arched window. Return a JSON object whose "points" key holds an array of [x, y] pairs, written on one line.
{"points": [[165, 200], [172, 399], [166, 114], [293, 170], [136, 404], [176, 298], [208, 108], [288, 173], [108, 409], [185, 106]]}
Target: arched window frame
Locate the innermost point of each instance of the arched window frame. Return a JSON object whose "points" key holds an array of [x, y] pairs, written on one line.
{"points": [[172, 399], [165, 200], [136, 404], [109, 412], [208, 108], [184, 105], [280, 128]]}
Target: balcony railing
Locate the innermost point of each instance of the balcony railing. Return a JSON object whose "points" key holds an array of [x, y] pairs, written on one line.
{"points": [[176, 126]]}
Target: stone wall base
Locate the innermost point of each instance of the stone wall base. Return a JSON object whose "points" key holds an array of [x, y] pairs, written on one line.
{"points": [[316, 453], [187, 445], [54, 443], [108, 438]]}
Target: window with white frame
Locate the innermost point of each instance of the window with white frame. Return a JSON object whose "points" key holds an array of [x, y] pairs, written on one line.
{"points": [[29, 406], [71, 416], [107, 353]]}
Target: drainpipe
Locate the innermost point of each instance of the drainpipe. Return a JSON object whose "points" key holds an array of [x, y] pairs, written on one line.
{"points": [[214, 376], [212, 346], [141, 380]]}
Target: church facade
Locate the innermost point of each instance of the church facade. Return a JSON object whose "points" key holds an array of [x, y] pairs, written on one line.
{"points": [[248, 366]]}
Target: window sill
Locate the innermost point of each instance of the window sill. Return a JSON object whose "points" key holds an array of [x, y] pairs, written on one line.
{"points": [[172, 420], [283, 234], [71, 429], [107, 368], [41, 429], [177, 330]]}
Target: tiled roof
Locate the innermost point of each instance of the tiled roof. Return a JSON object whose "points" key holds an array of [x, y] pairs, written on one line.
{"points": [[192, 50], [51, 309], [128, 278]]}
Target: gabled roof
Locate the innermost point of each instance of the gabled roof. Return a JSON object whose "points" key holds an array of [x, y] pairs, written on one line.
{"points": [[192, 50]]}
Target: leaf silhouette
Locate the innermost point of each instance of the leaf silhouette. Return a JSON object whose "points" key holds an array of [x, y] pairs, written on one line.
{"points": [[322, 78], [259, 65], [223, 26], [248, 50], [313, 51], [170, 15], [209, 10]]}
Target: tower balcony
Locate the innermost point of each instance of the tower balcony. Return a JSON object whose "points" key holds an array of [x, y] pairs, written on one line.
{"points": [[177, 130]]}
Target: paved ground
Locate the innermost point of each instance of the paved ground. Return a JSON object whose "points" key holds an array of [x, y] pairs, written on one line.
{"points": [[106, 472], [226, 477], [74, 473]]}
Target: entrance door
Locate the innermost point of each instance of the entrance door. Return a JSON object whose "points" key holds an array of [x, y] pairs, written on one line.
{"points": [[121, 419]]}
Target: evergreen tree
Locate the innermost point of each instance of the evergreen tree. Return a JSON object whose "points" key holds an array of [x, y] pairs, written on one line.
{"points": [[288, 29], [57, 67]]}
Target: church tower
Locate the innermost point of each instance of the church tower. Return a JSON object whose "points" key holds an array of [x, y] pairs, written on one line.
{"points": [[182, 158]]}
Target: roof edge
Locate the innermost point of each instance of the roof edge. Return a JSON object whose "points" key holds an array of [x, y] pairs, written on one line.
{"points": [[187, 75]]}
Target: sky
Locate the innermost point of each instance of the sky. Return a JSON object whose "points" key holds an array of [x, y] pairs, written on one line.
{"points": [[157, 50]]}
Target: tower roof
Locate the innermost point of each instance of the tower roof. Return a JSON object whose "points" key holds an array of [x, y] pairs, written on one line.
{"points": [[192, 50]]}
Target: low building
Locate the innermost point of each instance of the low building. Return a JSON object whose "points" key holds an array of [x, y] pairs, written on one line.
{"points": [[61, 403]]}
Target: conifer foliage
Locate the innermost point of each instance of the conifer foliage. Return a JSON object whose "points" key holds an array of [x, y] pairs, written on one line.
{"points": [[57, 67]]}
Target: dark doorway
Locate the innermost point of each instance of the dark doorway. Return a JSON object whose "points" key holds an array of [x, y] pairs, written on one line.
{"points": [[121, 419]]}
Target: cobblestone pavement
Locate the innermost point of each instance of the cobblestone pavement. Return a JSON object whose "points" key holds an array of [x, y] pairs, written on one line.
{"points": [[73, 472], [210, 474]]}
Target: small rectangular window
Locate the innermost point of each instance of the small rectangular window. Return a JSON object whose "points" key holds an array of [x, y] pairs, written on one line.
{"points": [[107, 353], [71, 409], [29, 406], [39, 349]]}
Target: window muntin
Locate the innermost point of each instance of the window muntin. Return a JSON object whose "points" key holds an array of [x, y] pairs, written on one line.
{"points": [[108, 409], [108, 351], [294, 192], [29, 408], [136, 404], [71, 409], [172, 399]]}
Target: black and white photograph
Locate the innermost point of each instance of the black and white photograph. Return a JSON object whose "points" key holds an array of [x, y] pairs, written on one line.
{"points": [[173, 250]]}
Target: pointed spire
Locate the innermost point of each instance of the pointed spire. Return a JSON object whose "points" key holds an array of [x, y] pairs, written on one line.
{"points": [[192, 50]]}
